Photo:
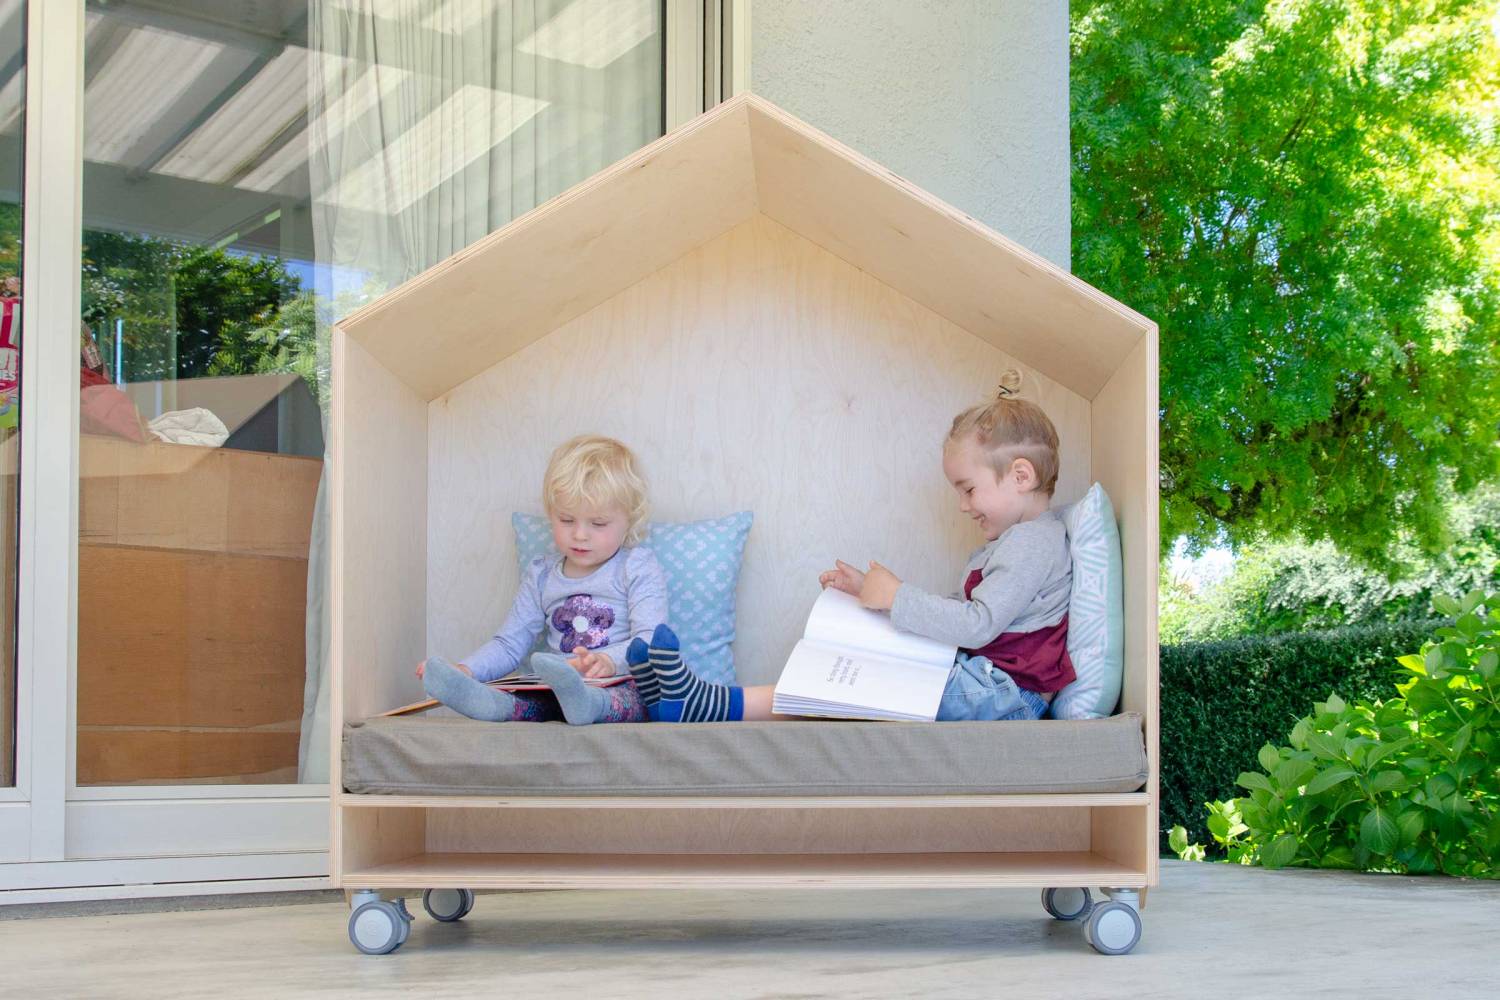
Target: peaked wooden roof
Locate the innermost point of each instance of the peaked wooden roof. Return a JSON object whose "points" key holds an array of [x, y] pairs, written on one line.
{"points": [[568, 255]]}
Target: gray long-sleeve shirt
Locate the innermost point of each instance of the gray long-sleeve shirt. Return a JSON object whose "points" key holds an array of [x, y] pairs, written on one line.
{"points": [[1028, 575], [623, 598]]}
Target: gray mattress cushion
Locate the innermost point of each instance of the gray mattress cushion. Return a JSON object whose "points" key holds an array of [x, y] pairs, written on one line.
{"points": [[448, 756]]}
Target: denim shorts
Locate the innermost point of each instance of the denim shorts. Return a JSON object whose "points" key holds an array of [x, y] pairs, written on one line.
{"points": [[981, 691]]}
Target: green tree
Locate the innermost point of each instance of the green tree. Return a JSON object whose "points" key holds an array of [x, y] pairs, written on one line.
{"points": [[1305, 194], [179, 306], [223, 300], [288, 341], [1292, 585]]}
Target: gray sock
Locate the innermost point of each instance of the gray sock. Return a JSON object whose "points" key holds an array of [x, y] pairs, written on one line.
{"points": [[466, 696], [582, 705]]}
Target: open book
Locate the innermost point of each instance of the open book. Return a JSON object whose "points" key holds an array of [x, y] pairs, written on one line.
{"points": [[852, 663], [525, 680]]}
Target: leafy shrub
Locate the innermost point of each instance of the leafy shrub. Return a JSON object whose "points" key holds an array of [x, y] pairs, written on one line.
{"points": [[1292, 586], [1221, 701], [1409, 784]]}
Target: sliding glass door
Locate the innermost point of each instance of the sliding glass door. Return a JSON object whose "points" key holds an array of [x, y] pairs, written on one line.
{"points": [[246, 173]]}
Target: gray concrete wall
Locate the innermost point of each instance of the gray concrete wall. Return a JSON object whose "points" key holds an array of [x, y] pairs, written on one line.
{"points": [[965, 98]]}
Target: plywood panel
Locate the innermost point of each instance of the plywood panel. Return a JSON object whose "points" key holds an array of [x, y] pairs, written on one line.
{"points": [[951, 263], [367, 838], [183, 638], [1128, 836], [185, 497], [567, 256], [759, 372], [1125, 461], [749, 871], [701, 829], [762, 802], [563, 258], [378, 554]]}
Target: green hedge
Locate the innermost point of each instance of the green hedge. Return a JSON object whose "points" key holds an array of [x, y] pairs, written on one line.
{"points": [[1221, 701]]}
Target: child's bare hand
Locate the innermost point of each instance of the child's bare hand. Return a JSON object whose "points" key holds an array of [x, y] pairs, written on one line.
{"points": [[592, 664], [879, 589], [844, 577], [422, 668]]}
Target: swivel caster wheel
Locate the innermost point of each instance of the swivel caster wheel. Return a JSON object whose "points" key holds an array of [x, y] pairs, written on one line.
{"points": [[1112, 928], [448, 905], [406, 918], [378, 928], [1067, 904]]}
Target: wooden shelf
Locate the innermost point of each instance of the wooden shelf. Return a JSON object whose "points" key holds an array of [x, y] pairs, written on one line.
{"points": [[745, 871], [697, 802]]}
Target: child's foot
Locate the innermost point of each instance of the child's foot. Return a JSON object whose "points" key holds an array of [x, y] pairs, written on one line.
{"points": [[582, 705], [466, 696], [685, 697], [638, 659]]}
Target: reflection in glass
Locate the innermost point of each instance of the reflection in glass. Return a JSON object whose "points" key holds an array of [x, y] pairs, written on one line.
{"points": [[12, 159], [251, 172]]}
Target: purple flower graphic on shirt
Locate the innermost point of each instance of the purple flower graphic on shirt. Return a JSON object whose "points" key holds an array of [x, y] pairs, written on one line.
{"points": [[583, 622]]}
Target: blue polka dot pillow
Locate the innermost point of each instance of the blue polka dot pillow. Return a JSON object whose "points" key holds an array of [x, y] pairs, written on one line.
{"points": [[1096, 609], [702, 562]]}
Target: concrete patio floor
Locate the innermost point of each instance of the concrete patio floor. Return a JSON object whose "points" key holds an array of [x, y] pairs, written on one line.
{"points": [[1209, 930]]}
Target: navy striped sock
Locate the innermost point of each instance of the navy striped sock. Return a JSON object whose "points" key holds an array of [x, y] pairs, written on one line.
{"points": [[638, 659], [685, 697]]}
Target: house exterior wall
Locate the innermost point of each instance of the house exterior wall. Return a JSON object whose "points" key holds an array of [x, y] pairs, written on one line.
{"points": [[967, 99]]}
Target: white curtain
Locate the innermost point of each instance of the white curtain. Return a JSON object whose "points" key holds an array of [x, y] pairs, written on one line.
{"points": [[432, 123]]}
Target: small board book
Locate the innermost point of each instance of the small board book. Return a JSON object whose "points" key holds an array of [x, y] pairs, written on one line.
{"points": [[514, 682]]}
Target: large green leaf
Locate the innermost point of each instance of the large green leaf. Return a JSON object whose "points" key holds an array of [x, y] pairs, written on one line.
{"points": [[1461, 740], [1268, 757], [1440, 786], [1294, 773], [1328, 778], [1410, 825], [1325, 746], [1279, 852], [1254, 781], [1385, 749], [1413, 663], [1378, 831]]}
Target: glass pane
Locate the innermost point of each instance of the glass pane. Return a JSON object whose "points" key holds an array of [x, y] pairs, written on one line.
{"points": [[251, 172], [12, 159], [201, 440]]}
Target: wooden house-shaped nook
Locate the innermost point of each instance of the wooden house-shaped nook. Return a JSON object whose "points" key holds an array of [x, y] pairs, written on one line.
{"points": [[776, 324]]}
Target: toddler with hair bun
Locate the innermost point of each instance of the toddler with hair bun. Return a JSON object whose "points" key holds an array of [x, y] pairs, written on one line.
{"points": [[1010, 617]]}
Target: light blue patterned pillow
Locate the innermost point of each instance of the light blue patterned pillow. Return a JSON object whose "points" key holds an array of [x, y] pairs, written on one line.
{"points": [[1096, 609], [702, 562]]}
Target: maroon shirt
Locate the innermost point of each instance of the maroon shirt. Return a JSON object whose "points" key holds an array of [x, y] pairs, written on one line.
{"points": [[1037, 661]]}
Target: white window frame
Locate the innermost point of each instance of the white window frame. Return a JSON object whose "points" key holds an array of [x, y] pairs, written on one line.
{"points": [[54, 836]]}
